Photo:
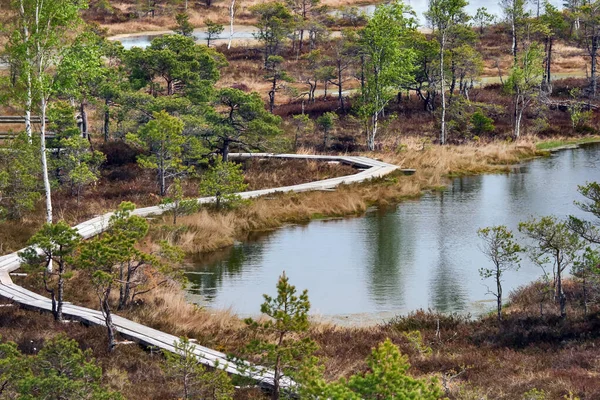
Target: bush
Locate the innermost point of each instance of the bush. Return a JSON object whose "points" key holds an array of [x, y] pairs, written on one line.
{"points": [[481, 124]]}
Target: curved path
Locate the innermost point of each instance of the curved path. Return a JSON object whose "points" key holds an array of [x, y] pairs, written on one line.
{"points": [[151, 337]]}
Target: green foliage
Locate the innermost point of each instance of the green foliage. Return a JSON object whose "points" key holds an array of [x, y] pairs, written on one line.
{"points": [[483, 18], [524, 81], [59, 371], [240, 120], [113, 259], [275, 74], [191, 378], [184, 26], [388, 61], [39, 36], [416, 340], [19, 177], [213, 30], [302, 124], [554, 244], [591, 191], [577, 110], [177, 203], [82, 70], [535, 394], [61, 121], [481, 124], [503, 251], [223, 181], [163, 138], [386, 378], [284, 344], [185, 67], [274, 24], [326, 123], [57, 242], [13, 367], [79, 165]]}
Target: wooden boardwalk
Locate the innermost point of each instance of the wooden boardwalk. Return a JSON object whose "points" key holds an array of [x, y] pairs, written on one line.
{"points": [[152, 337]]}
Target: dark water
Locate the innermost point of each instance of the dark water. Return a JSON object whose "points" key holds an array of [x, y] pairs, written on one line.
{"points": [[420, 254]]}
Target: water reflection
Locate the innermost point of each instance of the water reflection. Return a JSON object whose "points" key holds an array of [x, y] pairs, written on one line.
{"points": [[385, 269], [421, 254], [447, 291]]}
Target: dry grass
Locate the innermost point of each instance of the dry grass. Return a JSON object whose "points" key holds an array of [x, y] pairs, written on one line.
{"points": [[270, 173], [209, 230], [501, 361], [217, 12]]}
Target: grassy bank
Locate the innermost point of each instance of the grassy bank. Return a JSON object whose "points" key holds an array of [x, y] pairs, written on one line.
{"points": [[567, 142], [478, 359], [209, 230]]}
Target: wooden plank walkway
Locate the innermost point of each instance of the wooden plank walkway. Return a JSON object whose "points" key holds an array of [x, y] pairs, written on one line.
{"points": [[152, 337]]}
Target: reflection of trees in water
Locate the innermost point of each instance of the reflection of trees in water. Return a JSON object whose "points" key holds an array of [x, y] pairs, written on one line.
{"points": [[590, 155], [385, 268], [214, 268], [447, 292]]}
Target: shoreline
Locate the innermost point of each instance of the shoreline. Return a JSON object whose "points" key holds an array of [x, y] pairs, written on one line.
{"points": [[475, 309]]}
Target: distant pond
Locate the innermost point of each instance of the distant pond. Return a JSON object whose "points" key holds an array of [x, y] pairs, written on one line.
{"points": [[419, 254], [246, 32]]}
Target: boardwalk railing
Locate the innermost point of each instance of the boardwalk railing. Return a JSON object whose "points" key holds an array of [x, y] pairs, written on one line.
{"points": [[152, 337]]}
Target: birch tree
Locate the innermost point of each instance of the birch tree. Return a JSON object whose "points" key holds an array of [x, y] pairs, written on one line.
{"points": [[444, 16], [388, 62], [40, 37], [524, 82], [514, 12]]}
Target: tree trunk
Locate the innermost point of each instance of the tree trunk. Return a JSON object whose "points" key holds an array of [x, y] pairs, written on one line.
{"points": [[272, 92], [593, 55], [60, 292], [340, 90], [161, 177], [585, 296], [231, 15], [277, 370], [106, 127], [453, 80], [110, 329], [518, 116], [562, 300], [28, 104], [373, 133], [225, 150], [46, 178], [514, 34], [549, 65], [499, 293], [84, 120], [443, 92]]}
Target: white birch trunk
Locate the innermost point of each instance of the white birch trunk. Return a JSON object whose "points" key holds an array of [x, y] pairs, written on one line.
{"points": [[29, 94], [231, 15], [443, 90], [43, 101]]}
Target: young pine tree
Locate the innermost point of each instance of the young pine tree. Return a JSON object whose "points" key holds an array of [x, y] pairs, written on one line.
{"points": [[284, 345]]}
